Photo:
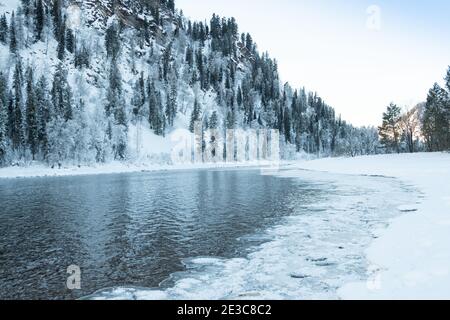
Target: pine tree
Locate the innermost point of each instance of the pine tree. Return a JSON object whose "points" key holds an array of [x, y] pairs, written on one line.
{"points": [[4, 29], [231, 119], [3, 120], [43, 114], [115, 108], [12, 35], [31, 115], [195, 115], [436, 126], [3, 132], [214, 121], [171, 106], [82, 57], [17, 129], [390, 131], [62, 94], [112, 41], [70, 41], [62, 42], [57, 17], [39, 22], [287, 127], [171, 5], [239, 98], [138, 99]]}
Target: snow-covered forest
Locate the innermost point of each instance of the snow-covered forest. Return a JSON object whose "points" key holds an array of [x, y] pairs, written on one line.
{"points": [[93, 81]]}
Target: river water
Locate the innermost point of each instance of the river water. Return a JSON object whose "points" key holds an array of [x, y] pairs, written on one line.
{"points": [[212, 234]]}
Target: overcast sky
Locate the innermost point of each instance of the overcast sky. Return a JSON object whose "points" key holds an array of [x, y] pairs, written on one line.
{"points": [[355, 61]]}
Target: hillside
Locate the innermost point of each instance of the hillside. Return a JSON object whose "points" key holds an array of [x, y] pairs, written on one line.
{"points": [[93, 81]]}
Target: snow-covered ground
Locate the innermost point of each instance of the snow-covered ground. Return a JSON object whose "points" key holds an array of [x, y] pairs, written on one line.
{"points": [[411, 259], [115, 167]]}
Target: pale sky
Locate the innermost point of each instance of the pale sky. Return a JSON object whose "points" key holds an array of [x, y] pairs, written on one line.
{"points": [[356, 62]]}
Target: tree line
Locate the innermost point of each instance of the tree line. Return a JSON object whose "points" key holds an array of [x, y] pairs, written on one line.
{"points": [[426, 127], [151, 75]]}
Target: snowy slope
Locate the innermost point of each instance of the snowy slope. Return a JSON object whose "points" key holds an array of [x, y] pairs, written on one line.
{"points": [[163, 60]]}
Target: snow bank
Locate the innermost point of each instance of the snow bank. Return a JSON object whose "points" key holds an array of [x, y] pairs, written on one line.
{"points": [[411, 259]]}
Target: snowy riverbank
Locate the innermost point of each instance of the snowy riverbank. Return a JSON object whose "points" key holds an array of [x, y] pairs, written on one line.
{"points": [[408, 260], [40, 170], [411, 259]]}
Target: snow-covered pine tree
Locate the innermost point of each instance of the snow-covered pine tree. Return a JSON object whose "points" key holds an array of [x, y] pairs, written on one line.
{"points": [[214, 121], [4, 29], [61, 94], [115, 110], [138, 99], [3, 120], [43, 114], [16, 120], [12, 35], [195, 116], [171, 103], [31, 115], [39, 20]]}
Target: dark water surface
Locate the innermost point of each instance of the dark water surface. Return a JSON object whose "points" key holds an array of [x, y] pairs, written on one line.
{"points": [[130, 229]]}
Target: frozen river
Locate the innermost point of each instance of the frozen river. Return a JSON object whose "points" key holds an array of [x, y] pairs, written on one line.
{"points": [[210, 234]]}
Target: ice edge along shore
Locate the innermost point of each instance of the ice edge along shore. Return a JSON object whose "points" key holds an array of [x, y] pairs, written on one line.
{"points": [[411, 260]]}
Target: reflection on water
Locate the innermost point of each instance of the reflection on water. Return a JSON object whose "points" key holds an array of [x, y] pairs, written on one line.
{"points": [[132, 229]]}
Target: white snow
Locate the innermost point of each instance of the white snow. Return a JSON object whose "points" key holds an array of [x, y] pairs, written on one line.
{"points": [[35, 170], [321, 253], [412, 257]]}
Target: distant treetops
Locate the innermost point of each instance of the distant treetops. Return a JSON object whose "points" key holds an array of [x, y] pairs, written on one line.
{"points": [[424, 128]]}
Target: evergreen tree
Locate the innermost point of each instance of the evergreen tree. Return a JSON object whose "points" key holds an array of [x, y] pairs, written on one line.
{"points": [[112, 41], [39, 22], [214, 121], [17, 129], [195, 115], [31, 115], [390, 131], [4, 29], [82, 57], [239, 97], [70, 41], [57, 17], [231, 119], [138, 99], [62, 42], [287, 127], [436, 126], [171, 106], [171, 5], [3, 132], [3, 119], [61, 94], [115, 108], [12, 35], [43, 114]]}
